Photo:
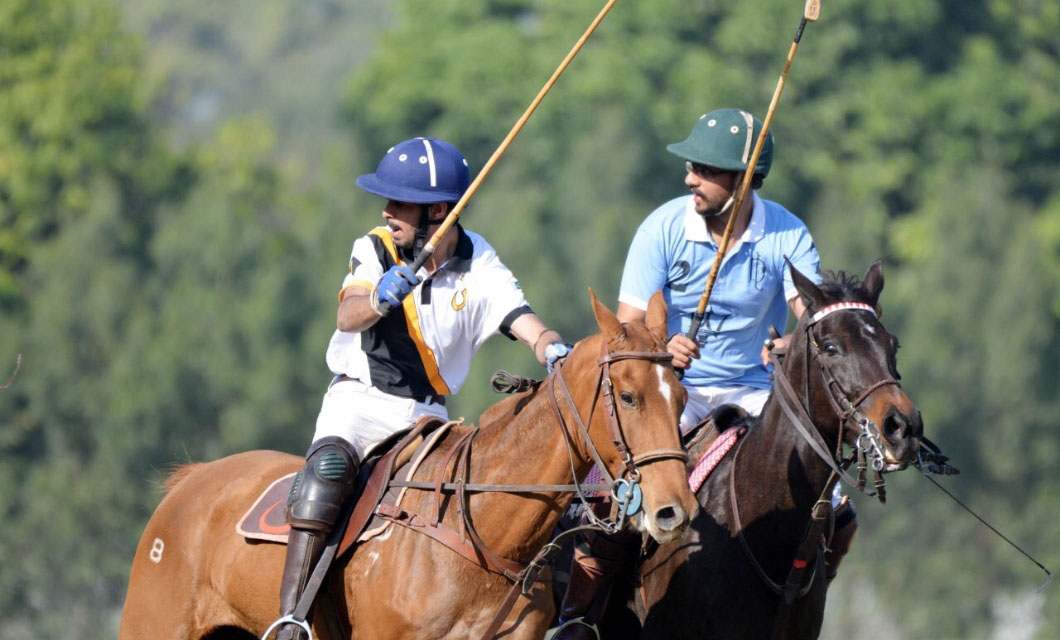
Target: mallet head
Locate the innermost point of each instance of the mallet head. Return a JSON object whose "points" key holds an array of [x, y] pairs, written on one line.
{"points": [[812, 11]]}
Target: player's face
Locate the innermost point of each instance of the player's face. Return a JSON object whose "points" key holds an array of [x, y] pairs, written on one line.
{"points": [[710, 187], [402, 218]]}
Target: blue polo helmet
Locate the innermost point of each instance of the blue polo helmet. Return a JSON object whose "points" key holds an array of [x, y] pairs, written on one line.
{"points": [[420, 171]]}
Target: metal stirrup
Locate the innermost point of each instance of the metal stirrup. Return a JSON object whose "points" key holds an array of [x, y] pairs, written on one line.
{"points": [[287, 619], [580, 620]]}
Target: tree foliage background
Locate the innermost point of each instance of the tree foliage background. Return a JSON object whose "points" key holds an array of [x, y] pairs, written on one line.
{"points": [[177, 206]]}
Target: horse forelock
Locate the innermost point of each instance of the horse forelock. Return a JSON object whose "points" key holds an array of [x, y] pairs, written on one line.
{"points": [[639, 338], [843, 287]]}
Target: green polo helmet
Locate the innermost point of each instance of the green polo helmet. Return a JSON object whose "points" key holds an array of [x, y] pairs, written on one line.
{"points": [[725, 138]]}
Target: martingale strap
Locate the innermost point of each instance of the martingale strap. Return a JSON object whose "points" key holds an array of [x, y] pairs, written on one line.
{"points": [[450, 538], [808, 555]]}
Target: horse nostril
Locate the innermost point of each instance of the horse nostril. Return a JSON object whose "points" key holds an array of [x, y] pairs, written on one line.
{"points": [[670, 518], [897, 425], [894, 425]]}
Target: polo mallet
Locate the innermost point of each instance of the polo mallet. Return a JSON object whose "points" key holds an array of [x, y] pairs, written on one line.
{"points": [[809, 14], [450, 219]]}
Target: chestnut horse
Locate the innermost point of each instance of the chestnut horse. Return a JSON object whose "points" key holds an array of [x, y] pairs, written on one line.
{"points": [[725, 579], [193, 577]]}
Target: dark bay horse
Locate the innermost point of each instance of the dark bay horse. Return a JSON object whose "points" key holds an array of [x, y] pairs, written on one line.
{"points": [[194, 577], [708, 585]]}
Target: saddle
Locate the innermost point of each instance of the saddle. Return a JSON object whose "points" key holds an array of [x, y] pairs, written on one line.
{"points": [[384, 479], [398, 457]]}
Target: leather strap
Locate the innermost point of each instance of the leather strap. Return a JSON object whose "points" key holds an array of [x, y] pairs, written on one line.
{"points": [[791, 589], [797, 415], [450, 538]]}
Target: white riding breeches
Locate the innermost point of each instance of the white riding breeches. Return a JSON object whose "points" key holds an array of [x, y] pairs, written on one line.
{"points": [[365, 416], [703, 400]]}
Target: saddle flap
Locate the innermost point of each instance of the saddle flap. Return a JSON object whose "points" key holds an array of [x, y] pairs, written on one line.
{"points": [[266, 520]]}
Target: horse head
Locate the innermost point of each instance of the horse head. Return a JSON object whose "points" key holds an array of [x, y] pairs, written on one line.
{"points": [[845, 360], [633, 415]]}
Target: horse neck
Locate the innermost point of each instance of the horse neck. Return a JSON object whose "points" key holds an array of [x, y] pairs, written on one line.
{"points": [[524, 443], [779, 456]]}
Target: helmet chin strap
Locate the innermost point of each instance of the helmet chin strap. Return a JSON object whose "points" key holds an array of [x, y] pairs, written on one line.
{"points": [[731, 201], [421, 231], [421, 234], [724, 209]]}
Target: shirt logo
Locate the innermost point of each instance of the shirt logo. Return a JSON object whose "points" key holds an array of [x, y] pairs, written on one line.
{"points": [[459, 300], [758, 271]]}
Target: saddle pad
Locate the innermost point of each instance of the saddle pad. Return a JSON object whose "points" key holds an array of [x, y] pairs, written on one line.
{"points": [[713, 456], [266, 519]]}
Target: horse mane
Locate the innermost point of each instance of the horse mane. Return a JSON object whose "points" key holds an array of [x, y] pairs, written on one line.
{"points": [[843, 287]]}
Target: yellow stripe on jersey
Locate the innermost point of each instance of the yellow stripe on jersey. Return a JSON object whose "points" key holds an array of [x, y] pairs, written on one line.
{"points": [[412, 319]]}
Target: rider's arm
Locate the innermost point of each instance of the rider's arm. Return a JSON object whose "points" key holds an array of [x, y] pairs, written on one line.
{"points": [[529, 329], [683, 348], [629, 313], [355, 311]]}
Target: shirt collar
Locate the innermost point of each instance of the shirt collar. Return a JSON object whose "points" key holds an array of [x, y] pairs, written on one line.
{"points": [[696, 230], [460, 262]]}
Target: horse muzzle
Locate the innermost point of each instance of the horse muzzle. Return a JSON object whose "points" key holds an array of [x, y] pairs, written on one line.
{"points": [[666, 523], [901, 434]]}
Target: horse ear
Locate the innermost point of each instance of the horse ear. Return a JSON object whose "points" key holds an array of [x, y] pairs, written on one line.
{"points": [[873, 281], [608, 321], [809, 292], [655, 319]]}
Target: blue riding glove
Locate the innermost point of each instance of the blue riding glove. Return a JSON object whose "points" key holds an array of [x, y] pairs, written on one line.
{"points": [[555, 353], [395, 284]]}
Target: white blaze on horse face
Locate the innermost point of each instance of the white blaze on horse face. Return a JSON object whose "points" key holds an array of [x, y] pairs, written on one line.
{"points": [[664, 388]]}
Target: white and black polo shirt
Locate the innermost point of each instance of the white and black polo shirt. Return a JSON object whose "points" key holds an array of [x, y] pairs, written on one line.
{"points": [[425, 346]]}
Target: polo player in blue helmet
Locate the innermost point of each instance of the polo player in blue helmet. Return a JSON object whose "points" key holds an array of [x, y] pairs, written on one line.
{"points": [[392, 368]]}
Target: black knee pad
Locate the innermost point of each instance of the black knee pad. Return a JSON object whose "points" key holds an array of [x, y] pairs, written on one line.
{"points": [[321, 489]]}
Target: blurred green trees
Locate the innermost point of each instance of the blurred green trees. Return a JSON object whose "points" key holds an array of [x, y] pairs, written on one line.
{"points": [[177, 211]]}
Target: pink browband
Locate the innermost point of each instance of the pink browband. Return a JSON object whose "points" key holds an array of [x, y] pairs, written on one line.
{"points": [[840, 306]]}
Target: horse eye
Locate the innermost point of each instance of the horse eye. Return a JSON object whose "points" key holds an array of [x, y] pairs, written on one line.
{"points": [[830, 348], [627, 399]]}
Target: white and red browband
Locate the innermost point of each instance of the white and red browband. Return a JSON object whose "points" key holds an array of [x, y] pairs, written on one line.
{"points": [[841, 306]]}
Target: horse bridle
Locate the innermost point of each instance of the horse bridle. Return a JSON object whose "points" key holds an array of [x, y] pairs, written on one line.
{"points": [[625, 489], [868, 443]]}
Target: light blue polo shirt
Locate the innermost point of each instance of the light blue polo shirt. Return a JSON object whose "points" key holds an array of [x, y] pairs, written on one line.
{"points": [[673, 251]]}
